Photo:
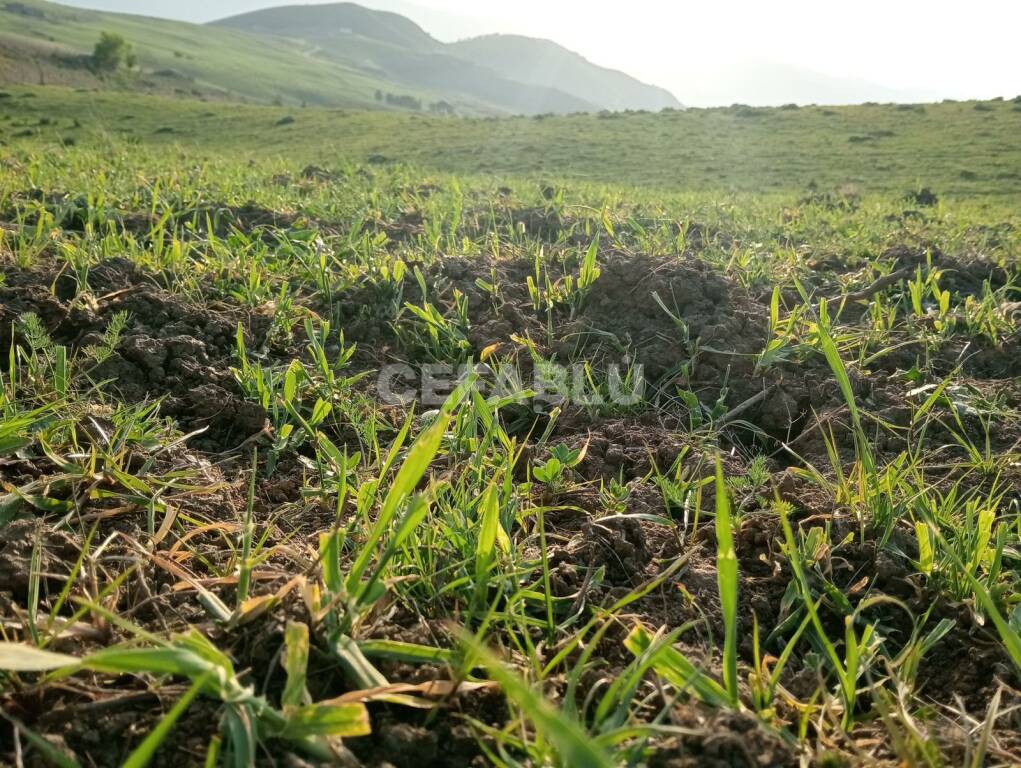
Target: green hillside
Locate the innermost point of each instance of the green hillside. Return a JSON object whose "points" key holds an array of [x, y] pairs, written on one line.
{"points": [[389, 45], [957, 149], [518, 74], [544, 63], [48, 43], [340, 55], [172, 56]]}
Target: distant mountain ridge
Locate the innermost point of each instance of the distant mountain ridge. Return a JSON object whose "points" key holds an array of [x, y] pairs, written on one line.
{"points": [[511, 72], [545, 63]]}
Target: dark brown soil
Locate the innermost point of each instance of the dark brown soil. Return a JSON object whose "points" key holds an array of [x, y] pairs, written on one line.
{"points": [[171, 350]]}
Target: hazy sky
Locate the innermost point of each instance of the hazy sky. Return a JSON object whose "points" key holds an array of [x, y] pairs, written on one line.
{"points": [[717, 50]]}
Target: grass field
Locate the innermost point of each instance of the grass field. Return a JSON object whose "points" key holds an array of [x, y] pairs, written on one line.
{"points": [[966, 150], [652, 440]]}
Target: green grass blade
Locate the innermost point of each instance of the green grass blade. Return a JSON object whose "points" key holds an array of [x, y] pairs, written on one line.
{"points": [[157, 661], [574, 746], [675, 667], [146, 751], [410, 653], [358, 670], [727, 581], [422, 452]]}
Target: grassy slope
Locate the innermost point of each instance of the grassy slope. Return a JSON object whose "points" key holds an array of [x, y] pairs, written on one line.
{"points": [[259, 69], [463, 83], [245, 63], [959, 149], [405, 54]]}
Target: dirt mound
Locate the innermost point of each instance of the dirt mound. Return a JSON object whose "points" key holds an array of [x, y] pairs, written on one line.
{"points": [[74, 213], [169, 349], [978, 357], [961, 276], [702, 336], [714, 326], [619, 315]]}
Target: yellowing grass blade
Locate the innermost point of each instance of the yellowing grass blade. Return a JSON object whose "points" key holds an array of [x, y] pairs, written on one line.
{"points": [[434, 689], [19, 657], [327, 720], [296, 648]]}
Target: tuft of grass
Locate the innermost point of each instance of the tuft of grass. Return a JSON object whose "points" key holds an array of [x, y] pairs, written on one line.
{"points": [[727, 581]]}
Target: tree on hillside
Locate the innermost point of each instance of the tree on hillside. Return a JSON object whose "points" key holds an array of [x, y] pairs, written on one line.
{"points": [[110, 52]]}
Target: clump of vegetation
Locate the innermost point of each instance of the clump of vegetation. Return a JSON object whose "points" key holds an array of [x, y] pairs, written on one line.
{"points": [[442, 107], [112, 52], [923, 196], [402, 100]]}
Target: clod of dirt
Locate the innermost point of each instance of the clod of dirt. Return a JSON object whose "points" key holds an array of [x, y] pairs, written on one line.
{"points": [[18, 539], [723, 740], [616, 543]]}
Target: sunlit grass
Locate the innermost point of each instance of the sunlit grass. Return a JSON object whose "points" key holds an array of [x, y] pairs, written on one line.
{"points": [[608, 573]]}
